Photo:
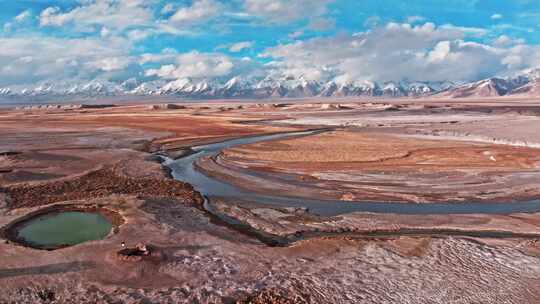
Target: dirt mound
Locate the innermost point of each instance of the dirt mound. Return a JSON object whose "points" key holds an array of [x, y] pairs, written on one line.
{"points": [[95, 184], [166, 106], [139, 253]]}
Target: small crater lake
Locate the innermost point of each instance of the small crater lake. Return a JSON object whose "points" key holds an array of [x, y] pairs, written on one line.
{"points": [[61, 229]]}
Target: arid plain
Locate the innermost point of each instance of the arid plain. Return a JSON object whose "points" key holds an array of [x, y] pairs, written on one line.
{"points": [[380, 201]]}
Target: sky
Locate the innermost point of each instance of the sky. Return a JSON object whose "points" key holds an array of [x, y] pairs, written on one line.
{"points": [[67, 41]]}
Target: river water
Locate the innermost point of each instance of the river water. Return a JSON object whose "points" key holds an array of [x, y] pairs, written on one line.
{"points": [[183, 169]]}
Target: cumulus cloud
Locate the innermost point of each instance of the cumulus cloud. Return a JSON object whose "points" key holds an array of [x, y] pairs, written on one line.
{"points": [[111, 63], [167, 8], [194, 64], [111, 34], [372, 21], [197, 65], [166, 56], [25, 15], [199, 11], [285, 11], [505, 40], [399, 51], [34, 59], [18, 21], [92, 15], [496, 16], [472, 31], [414, 19], [321, 24], [507, 26], [502, 40], [237, 47], [134, 18]]}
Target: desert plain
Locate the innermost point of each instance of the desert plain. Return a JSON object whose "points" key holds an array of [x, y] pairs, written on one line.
{"points": [[347, 201]]}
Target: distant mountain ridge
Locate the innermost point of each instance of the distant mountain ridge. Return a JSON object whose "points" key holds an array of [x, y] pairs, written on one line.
{"points": [[527, 84], [522, 85]]}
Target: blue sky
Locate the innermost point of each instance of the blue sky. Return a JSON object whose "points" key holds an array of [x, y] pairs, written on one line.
{"points": [[68, 41]]}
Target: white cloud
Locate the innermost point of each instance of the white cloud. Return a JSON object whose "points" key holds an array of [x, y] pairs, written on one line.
{"points": [[440, 52], [196, 65], [296, 34], [111, 63], [473, 31], [285, 11], [136, 35], [168, 8], [414, 19], [92, 15], [174, 65], [372, 21], [508, 26], [237, 47], [38, 58], [8, 26], [104, 32], [502, 40], [18, 21], [505, 40], [512, 60], [394, 51], [23, 16], [400, 51], [134, 18], [496, 16], [167, 56], [51, 17], [321, 24], [199, 11]]}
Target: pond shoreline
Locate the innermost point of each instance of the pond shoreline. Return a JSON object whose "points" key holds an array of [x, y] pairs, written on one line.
{"points": [[11, 230]]}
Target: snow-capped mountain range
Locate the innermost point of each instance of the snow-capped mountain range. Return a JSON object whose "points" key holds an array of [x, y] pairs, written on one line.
{"points": [[287, 87]]}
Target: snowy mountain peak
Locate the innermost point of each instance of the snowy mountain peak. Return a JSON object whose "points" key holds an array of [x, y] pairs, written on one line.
{"points": [[284, 86], [5, 91]]}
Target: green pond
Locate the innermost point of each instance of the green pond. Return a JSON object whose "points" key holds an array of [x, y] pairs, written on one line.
{"points": [[62, 229]]}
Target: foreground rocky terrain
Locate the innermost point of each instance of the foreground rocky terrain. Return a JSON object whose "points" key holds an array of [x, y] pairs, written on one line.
{"points": [[411, 152]]}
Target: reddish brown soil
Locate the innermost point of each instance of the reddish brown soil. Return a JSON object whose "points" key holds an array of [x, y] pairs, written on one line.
{"points": [[361, 151], [210, 263], [277, 296], [180, 125], [365, 165], [96, 184]]}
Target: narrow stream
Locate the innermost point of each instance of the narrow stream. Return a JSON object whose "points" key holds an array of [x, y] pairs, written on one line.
{"points": [[183, 169]]}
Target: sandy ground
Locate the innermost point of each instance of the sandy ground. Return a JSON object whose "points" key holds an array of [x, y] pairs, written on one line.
{"points": [[410, 153], [48, 144], [377, 166], [99, 157], [212, 264]]}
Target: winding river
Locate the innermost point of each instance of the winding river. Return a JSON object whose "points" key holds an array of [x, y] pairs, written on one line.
{"points": [[183, 169]]}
